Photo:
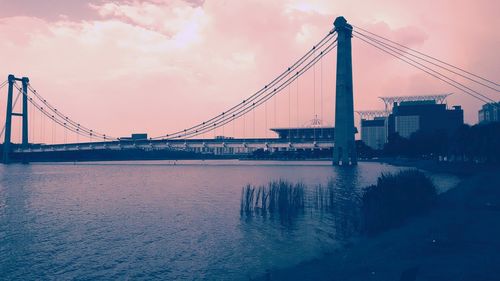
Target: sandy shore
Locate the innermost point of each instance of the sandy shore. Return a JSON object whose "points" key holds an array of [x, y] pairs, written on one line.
{"points": [[459, 240]]}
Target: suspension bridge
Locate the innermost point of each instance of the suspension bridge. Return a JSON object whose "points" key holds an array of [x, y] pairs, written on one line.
{"points": [[192, 143]]}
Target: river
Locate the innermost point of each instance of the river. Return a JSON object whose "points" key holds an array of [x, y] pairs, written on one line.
{"points": [[164, 220]]}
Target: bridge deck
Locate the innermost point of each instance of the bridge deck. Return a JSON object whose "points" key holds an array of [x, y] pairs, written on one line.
{"points": [[188, 144]]}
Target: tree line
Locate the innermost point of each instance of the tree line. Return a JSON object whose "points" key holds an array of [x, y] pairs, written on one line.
{"points": [[478, 143]]}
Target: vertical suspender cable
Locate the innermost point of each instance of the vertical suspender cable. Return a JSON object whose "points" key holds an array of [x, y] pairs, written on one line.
{"points": [[53, 129], [289, 113], [314, 102], [265, 127], [253, 113], [244, 128], [42, 139], [321, 91], [32, 113], [297, 108], [275, 112]]}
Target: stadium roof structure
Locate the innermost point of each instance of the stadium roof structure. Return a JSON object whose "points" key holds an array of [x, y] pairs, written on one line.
{"points": [[438, 98], [371, 114]]}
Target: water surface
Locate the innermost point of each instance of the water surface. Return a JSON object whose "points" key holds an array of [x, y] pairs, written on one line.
{"points": [[162, 219]]}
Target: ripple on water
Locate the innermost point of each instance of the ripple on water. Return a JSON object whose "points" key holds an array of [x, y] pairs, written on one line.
{"points": [[155, 220]]}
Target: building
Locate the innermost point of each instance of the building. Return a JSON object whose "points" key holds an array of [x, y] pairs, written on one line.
{"points": [[374, 132], [135, 137], [490, 112], [408, 117], [308, 133]]}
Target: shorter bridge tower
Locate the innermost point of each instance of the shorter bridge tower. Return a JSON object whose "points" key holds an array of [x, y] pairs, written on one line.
{"points": [[8, 118]]}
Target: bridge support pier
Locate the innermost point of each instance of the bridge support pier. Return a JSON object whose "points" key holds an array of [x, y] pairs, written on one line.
{"points": [[8, 121], [344, 150], [25, 81], [8, 118]]}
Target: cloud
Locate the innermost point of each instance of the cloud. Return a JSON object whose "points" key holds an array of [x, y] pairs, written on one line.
{"points": [[181, 22], [162, 65]]}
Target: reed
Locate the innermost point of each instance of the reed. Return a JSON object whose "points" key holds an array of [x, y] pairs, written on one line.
{"points": [[325, 197], [287, 201], [247, 199], [278, 197]]}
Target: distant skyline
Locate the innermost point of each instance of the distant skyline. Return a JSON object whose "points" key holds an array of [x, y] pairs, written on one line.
{"points": [[158, 66]]}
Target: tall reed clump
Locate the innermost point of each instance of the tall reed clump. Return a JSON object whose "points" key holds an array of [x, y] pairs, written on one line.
{"points": [[279, 197], [395, 198], [325, 197]]}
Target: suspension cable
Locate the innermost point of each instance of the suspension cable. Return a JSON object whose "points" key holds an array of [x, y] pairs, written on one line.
{"points": [[321, 91], [42, 120], [64, 117], [32, 111], [61, 123], [249, 106], [263, 99], [248, 101], [13, 106], [402, 53], [289, 113], [275, 113], [253, 113], [430, 57], [429, 71], [314, 100], [265, 127], [297, 108], [330, 36], [3, 84], [428, 61], [68, 120]]}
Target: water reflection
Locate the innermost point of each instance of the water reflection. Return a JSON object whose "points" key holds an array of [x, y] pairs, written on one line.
{"points": [[346, 192], [167, 222], [337, 202]]}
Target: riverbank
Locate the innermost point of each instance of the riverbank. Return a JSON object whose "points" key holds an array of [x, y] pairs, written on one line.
{"points": [[457, 240], [462, 169]]}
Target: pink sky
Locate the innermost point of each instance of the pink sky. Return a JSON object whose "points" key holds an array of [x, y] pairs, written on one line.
{"points": [[161, 65]]}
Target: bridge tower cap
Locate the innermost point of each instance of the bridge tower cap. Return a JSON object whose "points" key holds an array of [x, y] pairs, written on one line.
{"points": [[25, 79], [340, 23], [11, 77]]}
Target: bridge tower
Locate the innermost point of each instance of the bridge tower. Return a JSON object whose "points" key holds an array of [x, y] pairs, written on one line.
{"points": [[344, 151], [8, 119]]}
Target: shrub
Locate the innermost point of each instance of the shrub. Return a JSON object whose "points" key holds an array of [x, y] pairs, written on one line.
{"points": [[395, 198]]}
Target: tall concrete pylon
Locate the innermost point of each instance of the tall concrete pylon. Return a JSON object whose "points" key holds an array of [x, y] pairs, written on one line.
{"points": [[8, 118], [344, 151]]}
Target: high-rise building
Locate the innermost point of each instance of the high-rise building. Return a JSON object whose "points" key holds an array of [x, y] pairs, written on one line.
{"points": [[490, 112], [408, 117], [374, 132]]}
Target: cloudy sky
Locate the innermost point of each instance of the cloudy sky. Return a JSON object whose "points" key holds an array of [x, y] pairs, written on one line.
{"points": [[156, 66]]}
